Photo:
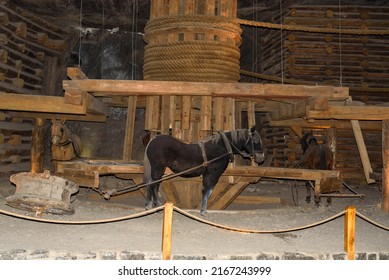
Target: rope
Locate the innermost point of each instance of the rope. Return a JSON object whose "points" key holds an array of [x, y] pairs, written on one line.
{"points": [[302, 82], [363, 217], [193, 48], [185, 213], [101, 221], [312, 29]]}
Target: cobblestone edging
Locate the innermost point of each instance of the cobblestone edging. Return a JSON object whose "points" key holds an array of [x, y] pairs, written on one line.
{"points": [[20, 254]]}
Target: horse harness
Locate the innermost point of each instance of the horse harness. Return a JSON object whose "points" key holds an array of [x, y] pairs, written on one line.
{"points": [[229, 146], [67, 142]]}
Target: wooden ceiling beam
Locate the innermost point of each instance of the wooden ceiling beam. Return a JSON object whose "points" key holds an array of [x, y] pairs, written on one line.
{"points": [[237, 90], [367, 113]]}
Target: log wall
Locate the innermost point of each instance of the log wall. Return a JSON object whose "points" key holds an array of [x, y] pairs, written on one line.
{"points": [[33, 57]]}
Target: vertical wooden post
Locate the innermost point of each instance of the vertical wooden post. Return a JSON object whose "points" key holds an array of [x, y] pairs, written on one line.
{"points": [[167, 231], [385, 169], [130, 126], [37, 147], [349, 232]]}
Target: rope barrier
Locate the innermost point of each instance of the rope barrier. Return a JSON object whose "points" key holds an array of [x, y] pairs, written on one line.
{"points": [[101, 221], [363, 217], [185, 213]]}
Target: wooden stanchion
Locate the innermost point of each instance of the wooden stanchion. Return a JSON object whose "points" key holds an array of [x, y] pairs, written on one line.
{"points": [[349, 232], [167, 231]]}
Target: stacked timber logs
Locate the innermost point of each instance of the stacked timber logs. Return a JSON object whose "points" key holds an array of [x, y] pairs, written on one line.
{"points": [[15, 144], [31, 55], [357, 61], [25, 42]]}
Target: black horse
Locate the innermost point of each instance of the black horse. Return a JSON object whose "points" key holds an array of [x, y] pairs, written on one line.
{"points": [[315, 156], [208, 158]]}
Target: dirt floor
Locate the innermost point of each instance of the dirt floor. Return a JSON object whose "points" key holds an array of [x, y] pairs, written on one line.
{"points": [[284, 207]]}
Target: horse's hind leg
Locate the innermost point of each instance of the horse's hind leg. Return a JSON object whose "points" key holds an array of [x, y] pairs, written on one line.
{"points": [[155, 193]]}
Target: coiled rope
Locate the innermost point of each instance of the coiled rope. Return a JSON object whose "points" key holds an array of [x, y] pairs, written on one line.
{"points": [[192, 48]]}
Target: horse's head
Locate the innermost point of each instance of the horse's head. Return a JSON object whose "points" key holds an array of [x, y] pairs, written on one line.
{"points": [[59, 133], [307, 140], [253, 146]]}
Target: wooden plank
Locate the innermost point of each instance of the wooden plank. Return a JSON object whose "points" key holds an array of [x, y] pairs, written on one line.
{"points": [[385, 169], [368, 113], [152, 113], [339, 124], [129, 133], [246, 90], [251, 199], [75, 73], [186, 106], [281, 173], [362, 151], [229, 196], [49, 116], [206, 113], [38, 103]]}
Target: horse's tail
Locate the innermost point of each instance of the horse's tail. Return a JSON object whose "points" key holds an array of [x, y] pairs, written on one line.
{"points": [[146, 168]]}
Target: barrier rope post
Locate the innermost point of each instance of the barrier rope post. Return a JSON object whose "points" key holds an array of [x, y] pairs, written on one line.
{"points": [[349, 232], [167, 231]]}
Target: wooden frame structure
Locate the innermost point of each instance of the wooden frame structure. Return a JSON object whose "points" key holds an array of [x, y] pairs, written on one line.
{"points": [[241, 97]]}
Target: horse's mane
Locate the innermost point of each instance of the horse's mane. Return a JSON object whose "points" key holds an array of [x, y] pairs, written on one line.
{"points": [[236, 135]]}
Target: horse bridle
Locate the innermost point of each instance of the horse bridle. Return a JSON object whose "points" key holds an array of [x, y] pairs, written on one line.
{"points": [[229, 144], [68, 141]]}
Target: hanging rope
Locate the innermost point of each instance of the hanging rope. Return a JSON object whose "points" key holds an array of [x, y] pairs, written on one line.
{"points": [[312, 29]]}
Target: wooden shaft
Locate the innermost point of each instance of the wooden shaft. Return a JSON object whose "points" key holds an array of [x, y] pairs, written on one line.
{"points": [[349, 232], [167, 231], [385, 170]]}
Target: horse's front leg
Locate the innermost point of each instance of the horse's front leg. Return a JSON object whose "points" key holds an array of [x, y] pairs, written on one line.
{"points": [[206, 192]]}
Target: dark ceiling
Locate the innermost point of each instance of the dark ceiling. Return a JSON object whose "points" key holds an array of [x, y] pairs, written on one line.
{"points": [[109, 14]]}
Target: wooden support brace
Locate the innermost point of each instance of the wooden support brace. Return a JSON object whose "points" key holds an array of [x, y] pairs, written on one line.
{"points": [[130, 127], [362, 151], [349, 232], [167, 231]]}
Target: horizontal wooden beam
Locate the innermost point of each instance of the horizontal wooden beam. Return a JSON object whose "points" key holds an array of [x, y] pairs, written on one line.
{"points": [[51, 104], [281, 173], [49, 116], [118, 166], [38, 103], [340, 124], [368, 113], [239, 90]]}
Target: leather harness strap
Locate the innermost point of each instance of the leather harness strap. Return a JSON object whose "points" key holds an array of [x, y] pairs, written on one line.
{"points": [[201, 144], [227, 145]]}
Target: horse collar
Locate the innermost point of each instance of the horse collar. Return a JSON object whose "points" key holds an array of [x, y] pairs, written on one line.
{"points": [[227, 145]]}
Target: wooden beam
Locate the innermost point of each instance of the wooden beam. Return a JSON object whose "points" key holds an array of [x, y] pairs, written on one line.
{"points": [[385, 169], [38, 103], [49, 116], [368, 113], [362, 151], [243, 90], [339, 124], [281, 173], [130, 128]]}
